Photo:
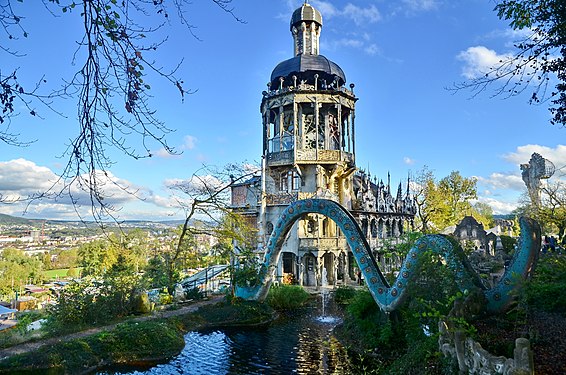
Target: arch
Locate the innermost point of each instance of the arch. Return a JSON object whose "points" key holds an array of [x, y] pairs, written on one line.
{"points": [[373, 226], [380, 229], [389, 297]]}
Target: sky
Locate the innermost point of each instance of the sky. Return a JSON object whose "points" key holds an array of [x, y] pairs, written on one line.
{"points": [[402, 56]]}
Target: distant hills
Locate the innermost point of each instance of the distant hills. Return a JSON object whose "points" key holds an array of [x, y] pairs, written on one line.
{"points": [[14, 220]]}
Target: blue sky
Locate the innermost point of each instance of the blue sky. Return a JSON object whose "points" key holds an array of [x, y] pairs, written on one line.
{"points": [[401, 55]]}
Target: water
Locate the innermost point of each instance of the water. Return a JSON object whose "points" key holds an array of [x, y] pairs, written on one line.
{"points": [[295, 344], [324, 278], [325, 300]]}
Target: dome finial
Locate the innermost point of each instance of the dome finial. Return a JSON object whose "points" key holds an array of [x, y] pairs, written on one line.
{"points": [[306, 23]]}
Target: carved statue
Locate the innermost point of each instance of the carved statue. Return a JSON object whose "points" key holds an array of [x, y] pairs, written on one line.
{"points": [[537, 169]]}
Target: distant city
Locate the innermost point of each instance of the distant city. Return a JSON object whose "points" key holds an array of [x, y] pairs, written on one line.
{"points": [[35, 236]]}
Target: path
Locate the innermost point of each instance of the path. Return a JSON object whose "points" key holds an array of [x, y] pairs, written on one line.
{"points": [[32, 346]]}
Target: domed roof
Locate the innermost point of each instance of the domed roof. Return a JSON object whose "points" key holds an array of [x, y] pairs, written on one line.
{"points": [[306, 13], [305, 67]]}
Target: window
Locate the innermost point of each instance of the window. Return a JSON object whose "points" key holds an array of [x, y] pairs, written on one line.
{"points": [[288, 262], [284, 182], [291, 178], [295, 180]]}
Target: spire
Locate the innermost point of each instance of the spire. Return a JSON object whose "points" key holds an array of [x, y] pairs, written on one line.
{"points": [[306, 23]]}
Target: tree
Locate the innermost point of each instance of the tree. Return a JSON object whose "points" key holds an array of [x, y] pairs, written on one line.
{"points": [[442, 203], [483, 213], [46, 259], [427, 198], [552, 211], [457, 192], [65, 258], [551, 214], [206, 197], [18, 269], [539, 60], [96, 257], [117, 59]]}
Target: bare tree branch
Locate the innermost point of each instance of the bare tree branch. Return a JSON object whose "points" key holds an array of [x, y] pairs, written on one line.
{"points": [[539, 63], [111, 88]]}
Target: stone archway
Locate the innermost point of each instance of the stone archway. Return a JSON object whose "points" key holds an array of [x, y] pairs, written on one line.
{"points": [[389, 297]]}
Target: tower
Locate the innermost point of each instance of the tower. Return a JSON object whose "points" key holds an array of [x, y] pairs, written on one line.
{"points": [[308, 150], [308, 127]]}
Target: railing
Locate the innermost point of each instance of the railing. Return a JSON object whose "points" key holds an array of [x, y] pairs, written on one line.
{"points": [[305, 87], [288, 157], [285, 197], [328, 243]]}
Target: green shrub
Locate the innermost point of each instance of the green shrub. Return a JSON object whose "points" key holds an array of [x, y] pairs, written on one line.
{"points": [[422, 357], [287, 297], [194, 294], [366, 326], [344, 294], [546, 289], [508, 243], [165, 299], [142, 304], [129, 342]]}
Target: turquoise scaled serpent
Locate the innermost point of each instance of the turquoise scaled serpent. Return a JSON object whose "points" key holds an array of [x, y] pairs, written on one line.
{"points": [[390, 297]]}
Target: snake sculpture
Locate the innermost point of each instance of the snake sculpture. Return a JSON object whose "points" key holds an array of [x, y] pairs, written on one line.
{"points": [[390, 296]]}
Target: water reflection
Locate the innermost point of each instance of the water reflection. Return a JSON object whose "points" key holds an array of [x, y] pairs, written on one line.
{"points": [[295, 344]]}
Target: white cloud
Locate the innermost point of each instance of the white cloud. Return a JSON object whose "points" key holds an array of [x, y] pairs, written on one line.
{"points": [[21, 179], [502, 181], [480, 60], [189, 142], [24, 177], [523, 154], [407, 160], [324, 7], [499, 207], [354, 41], [421, 5], [362, 16], [163, 153], [195, 182], [499, 188], [372, 49], [345, 42]]}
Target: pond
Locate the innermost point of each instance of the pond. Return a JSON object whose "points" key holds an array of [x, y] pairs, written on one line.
{"points": [[298, 343]]}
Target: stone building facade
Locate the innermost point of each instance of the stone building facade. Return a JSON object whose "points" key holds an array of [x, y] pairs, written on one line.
{"points": [[308, 122], [472, 231]]}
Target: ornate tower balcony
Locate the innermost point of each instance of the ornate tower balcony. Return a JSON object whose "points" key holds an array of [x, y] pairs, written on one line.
{"points": [[308, 113]]}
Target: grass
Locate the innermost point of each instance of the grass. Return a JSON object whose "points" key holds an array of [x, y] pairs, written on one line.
{"points": [[56, 274], [129, 342], [133, 343]]}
